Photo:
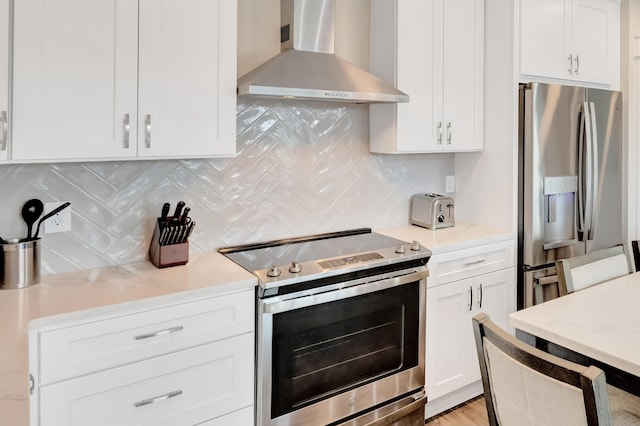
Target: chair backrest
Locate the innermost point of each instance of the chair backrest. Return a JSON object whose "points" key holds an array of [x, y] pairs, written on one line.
{"points": [[592, 268], [525, 386]]}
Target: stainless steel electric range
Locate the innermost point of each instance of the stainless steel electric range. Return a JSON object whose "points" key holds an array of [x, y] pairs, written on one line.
{"points": [[340, 328]]}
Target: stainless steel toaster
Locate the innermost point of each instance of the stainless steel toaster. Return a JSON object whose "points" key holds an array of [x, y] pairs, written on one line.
{"points": [[432, 211]]}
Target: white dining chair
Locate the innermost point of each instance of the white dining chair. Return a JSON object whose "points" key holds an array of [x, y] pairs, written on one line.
{"points": [[526, 386], [592, 268]]}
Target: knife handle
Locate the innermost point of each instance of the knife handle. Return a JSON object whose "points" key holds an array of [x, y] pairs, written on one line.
{"points": [[178, 211], [165, 212], [185, 215]]}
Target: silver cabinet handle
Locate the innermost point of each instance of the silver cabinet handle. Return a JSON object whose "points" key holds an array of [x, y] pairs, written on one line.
{"points": [[577, 64], [449, 133], [480, 297], [474, 262], [570, 64], [470, 305], [147, 130], [439, 132], [126, 127], [157, 398], [159, 333], [5, 126]]}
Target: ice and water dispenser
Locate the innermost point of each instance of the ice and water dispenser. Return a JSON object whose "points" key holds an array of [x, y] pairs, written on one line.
{"points": [[560, 211]]}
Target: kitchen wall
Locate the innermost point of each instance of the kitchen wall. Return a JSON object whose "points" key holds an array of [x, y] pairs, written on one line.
{"points": [[302, 168]]}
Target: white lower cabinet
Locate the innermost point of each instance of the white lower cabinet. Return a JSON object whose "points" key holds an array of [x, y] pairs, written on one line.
{"points": [[171, 374], [484, 282]]}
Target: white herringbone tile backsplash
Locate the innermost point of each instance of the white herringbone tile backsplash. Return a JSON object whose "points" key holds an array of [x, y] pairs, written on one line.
{"points": [[302, 168]]}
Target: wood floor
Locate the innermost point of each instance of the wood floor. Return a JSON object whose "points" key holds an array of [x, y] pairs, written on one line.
{"points": [[472, 413]]}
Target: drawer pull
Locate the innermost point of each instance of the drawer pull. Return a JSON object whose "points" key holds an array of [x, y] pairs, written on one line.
{"points": [[157, 398], [470, 305], [159, 333], [475, 262]]}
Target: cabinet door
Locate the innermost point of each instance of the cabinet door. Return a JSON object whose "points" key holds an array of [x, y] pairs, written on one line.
{"points": [[461, 74], [402, 54], [187, 78], [4, 79], [449, 337], [544, 31], [74, 79], [452, 360], [494, 295], [595, 40]]}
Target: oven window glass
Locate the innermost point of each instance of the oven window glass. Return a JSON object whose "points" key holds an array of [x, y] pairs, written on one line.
{"points": [[325, 349]]}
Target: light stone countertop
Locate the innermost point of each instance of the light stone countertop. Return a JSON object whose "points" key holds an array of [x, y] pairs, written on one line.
{"points": [[102, 291], [601, 322], [77, 293], [463, 235]]}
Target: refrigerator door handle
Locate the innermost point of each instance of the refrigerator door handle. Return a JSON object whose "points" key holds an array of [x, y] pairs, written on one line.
{"points": [[582, 161], [594, 174]]}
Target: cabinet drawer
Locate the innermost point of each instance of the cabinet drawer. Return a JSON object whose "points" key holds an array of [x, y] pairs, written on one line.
{"points": [[186, 387], [96, 345], [465, 263]]}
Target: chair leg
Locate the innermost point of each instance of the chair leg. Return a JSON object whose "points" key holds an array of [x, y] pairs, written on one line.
{"points": [[636, 254]]}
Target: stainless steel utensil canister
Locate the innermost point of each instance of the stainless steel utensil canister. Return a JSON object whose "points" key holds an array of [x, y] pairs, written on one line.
{"points": [[20, 265]]}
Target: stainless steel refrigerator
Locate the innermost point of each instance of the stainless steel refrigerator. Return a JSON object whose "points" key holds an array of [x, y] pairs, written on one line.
{"points": [[570, 180]]}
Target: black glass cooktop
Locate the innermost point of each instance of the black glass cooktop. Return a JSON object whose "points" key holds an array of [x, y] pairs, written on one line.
{"points": [[344, 245]]}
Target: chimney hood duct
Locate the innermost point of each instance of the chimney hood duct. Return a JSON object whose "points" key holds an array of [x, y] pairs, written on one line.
{"points": [[308, 68]]}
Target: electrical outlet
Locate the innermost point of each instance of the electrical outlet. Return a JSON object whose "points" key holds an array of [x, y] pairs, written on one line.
{"points": [[450, 184], [60, 222]]}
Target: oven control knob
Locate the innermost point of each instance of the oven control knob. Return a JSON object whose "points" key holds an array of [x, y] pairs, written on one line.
{"points": [[295, 268], [400, 249], [273, 272], [415, 246]]}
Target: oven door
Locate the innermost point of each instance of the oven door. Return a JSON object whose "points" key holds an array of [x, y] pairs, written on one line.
{"points": [[333, 355]]}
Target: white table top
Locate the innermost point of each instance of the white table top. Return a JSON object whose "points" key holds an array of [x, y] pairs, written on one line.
{"points": [[601, 322]]}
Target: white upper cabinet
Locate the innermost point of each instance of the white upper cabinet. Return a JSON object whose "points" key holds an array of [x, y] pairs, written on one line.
{"points": [[4, 79], [571, 40], [433, 51], [75, 79], [187, 84], [123, 80]]}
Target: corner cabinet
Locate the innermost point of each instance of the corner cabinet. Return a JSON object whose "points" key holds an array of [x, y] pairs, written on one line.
{"points": [[461, 284], [432, 50], [575, 40], [4, 79], [123, 80], [168, 363]]}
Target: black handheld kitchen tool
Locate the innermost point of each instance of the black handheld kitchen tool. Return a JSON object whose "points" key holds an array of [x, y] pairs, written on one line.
{"points": [[165, 213], [185, 216], [31, 211], [48, 215], [178, 211]]}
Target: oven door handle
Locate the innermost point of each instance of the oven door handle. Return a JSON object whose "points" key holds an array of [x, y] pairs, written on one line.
{"points": [[398, 416], [275, 305]]}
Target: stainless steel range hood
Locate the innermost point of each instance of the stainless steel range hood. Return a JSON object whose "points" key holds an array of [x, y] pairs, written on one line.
{"points": [[307, 68]]}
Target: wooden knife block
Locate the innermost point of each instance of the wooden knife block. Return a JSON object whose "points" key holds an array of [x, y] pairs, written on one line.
{"points": [[167, 255]]}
